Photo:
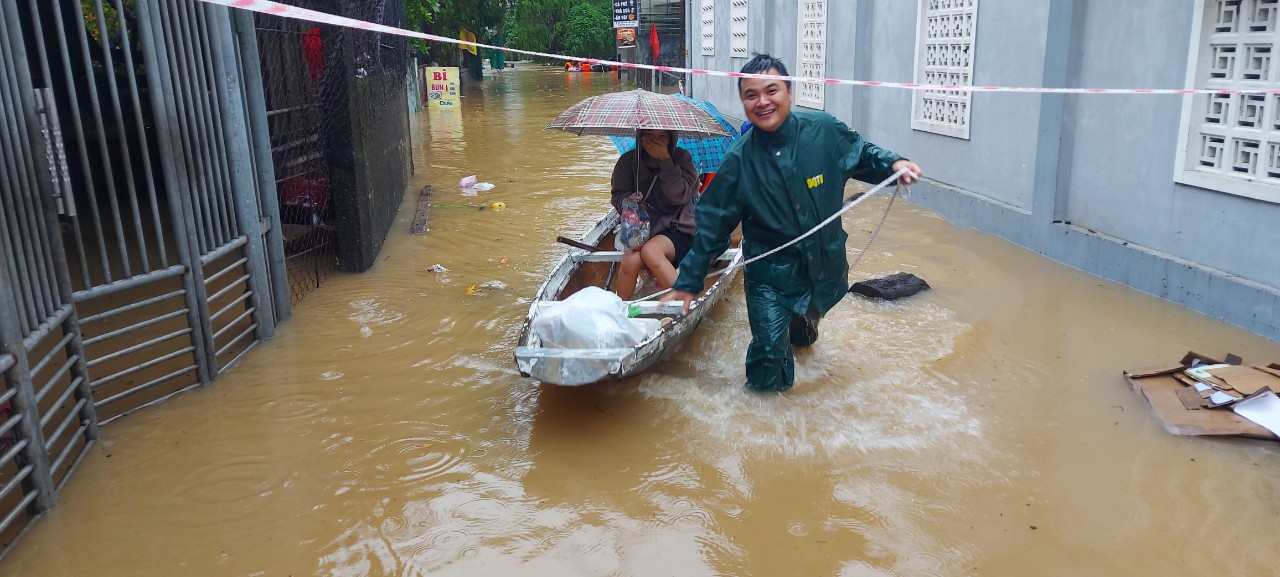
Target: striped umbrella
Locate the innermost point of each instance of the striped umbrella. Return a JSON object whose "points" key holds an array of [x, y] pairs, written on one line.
{"points": [[623, 113], [706, 152]]}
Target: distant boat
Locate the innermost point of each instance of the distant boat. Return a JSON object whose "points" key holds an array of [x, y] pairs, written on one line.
{"points": [[592, 263], [584, 67]]}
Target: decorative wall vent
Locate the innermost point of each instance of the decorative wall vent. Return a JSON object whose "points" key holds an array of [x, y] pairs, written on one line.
{"points": [[708, 27], [944, 56], [1231, 142], [738, 29], [812, 52]]}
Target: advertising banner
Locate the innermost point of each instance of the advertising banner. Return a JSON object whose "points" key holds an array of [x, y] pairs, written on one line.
{"points": [[442, 87], [626, 37]]}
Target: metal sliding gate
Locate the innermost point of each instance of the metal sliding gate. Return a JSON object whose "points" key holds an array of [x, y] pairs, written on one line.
{"points": [[132, 236]]}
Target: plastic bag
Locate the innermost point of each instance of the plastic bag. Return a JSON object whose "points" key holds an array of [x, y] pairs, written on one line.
{"points": [[482, 186], [467, 182], [633, 230], [592, 318]]}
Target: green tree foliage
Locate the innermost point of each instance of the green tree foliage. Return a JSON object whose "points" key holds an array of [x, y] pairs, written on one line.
{"points": [[417, 17], [588, 31], [578, 27], [446, 17]]}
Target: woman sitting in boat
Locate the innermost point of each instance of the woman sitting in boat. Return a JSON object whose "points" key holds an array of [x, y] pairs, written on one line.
{"points": [[661, 177]]}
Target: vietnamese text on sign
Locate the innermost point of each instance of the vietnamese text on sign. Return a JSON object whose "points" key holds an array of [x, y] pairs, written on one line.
{"points": [[624, 14]]}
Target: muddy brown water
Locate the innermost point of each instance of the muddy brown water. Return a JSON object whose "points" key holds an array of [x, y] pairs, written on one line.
{"points": [[981, 428]]}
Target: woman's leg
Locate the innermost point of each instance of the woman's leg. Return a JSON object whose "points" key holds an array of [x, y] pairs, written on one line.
{"points": [[657, 254], [628, 271]]}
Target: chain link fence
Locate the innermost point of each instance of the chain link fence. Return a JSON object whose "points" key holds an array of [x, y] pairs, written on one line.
{"points": [[293, 64], [310, 74]]}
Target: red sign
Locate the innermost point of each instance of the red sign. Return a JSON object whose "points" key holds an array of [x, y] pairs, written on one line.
{"points": [[626, 37]]}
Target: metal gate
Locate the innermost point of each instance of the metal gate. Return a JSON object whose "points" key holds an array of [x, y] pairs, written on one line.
{"points": [[48, 417], [131, 240]]}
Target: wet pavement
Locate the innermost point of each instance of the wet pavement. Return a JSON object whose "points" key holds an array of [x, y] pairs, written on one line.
{"points": [[980, 428]]}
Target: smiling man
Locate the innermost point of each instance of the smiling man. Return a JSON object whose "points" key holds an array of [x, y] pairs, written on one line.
{"points": [[780, 180]]}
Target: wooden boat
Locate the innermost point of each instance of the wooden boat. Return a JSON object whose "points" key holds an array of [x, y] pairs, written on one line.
{"points": [[665, 325]]}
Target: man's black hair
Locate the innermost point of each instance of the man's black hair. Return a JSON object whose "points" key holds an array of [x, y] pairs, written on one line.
{"points": [[760, 64]]}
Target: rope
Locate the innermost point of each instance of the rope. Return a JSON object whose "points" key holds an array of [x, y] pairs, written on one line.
{"points": [[876, 231], [849, 204]]}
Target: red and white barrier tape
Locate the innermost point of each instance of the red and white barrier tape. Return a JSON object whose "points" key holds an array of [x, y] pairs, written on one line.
{"points": [[286, 11]]}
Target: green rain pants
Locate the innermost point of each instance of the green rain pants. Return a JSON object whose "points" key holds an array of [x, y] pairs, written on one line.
{"points": [[778, 322]]}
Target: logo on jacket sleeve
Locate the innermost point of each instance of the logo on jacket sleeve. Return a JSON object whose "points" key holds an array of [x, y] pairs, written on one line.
{"points": [[814, 182]]}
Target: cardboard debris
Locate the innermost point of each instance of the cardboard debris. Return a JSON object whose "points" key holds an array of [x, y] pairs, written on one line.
{"points": [[1191, 399], [1274, 369], [1185, 411], [1246, 380]]}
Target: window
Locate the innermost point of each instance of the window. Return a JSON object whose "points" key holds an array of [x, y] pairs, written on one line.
{"points": [[812, 53], [1231, 142], [944, 55], [708, 27], [738, 29]]}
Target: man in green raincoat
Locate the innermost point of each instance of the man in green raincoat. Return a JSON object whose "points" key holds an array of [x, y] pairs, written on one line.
{"points": [[779, 181]]}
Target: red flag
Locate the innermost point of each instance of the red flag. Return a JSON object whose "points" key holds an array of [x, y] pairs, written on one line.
{"points": [[311, 51], [653, 40]]}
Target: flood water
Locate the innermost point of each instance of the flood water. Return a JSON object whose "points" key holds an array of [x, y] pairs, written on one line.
{"points": [[980, 428]]}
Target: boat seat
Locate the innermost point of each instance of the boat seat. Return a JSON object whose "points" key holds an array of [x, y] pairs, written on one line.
{"points": [[616, 256], [645, 307]]}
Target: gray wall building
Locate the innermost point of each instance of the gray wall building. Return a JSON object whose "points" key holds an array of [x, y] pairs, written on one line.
{"points": [[1177, 196]]}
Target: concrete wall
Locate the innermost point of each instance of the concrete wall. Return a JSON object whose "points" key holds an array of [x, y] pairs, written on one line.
{"points": [[1084, 179], [367, 128]]}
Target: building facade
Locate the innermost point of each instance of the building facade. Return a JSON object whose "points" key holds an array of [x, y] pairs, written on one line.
{"points": [[1176, 196]]}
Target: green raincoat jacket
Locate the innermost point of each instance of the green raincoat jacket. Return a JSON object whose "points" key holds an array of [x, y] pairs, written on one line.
{"points": [[778, 186]]}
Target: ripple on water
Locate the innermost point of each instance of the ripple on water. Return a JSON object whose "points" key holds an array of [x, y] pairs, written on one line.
{"points": [[412, 462], [866, 386], [370, 312], [448, 539], [895, 523], [418, 454], [231, 489], [551, 540], [392, 524], [686, 515], [671, 473], [483, 512], [443, 546], [424, 553], [293, 406]]}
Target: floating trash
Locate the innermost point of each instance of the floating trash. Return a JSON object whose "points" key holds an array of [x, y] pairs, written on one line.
{"points": [[470, 186], [498, 205], [437, 268], [495, 285], [891, 287]]}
